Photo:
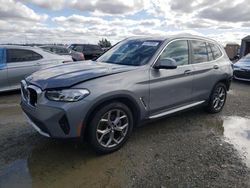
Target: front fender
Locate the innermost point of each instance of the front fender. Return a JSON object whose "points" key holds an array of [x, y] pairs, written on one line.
{"points": [[138, 108]]}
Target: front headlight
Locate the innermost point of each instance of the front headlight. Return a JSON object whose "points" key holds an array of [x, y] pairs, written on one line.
{"points": [[67, 95]]}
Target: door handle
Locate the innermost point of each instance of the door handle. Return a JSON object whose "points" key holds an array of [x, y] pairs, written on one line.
{"points": [[187, 72], [216, 67]]}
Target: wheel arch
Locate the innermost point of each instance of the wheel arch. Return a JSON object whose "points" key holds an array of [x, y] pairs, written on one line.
{"points": [[225, 81], [126, 99]]}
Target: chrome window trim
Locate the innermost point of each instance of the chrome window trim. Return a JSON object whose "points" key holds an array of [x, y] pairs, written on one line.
{"points": [[171, 41], [188, 40]]}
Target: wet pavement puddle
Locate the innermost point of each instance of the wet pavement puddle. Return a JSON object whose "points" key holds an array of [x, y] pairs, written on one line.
{"points": [[16, 175], [237, 133], [59, 164]]}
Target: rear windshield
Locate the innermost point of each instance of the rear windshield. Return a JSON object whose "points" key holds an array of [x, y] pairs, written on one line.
{"points": [[131, 52]]}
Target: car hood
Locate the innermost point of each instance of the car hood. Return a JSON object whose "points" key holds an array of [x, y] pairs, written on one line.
{"points": [[67, 75], [243, 64]]}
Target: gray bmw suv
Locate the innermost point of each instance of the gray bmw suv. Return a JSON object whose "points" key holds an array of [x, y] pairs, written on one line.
{"points": [[138, 79]]}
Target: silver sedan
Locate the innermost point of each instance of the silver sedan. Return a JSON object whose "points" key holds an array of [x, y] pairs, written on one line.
{"points": [[17, 62]]}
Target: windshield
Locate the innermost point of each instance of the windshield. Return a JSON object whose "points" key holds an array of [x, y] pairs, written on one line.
{"points": [[76, 48], [131, 52], [46, 49]]}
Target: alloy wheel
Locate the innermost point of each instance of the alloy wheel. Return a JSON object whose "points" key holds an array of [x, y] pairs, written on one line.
{"points": [[219, 98], [112, 128]]}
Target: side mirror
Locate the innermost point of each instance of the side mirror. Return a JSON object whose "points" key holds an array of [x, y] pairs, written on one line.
{"points": [[167, 63]]}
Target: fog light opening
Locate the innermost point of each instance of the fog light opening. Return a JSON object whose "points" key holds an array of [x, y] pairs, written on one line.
{"points": [[64, 124]]}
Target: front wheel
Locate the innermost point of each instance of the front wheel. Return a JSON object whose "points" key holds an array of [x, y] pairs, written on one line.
{"points": [[110, 127], [217, 99]]}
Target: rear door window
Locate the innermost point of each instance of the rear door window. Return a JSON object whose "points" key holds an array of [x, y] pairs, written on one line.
{"points": [[20, 55], [210, 53], [216, 51], [177, 50], [199, 52]]}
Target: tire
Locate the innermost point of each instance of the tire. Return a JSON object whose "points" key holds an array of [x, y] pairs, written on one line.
{"points": [[217, 98], [110, 128]]}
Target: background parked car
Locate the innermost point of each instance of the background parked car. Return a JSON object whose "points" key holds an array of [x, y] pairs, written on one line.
{"points": [[106, 49], [17, 62], [232, 50], [90, 51], [61, 50], [242, 69], [245, 46]]}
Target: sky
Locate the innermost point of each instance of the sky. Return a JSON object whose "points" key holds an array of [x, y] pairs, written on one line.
{"points": [[88, 21]]}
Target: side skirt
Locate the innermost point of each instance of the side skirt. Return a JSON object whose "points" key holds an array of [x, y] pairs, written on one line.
{"points": [[176, 110]]}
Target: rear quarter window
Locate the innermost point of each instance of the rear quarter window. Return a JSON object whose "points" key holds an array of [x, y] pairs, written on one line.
{"points": [[21, 55]]}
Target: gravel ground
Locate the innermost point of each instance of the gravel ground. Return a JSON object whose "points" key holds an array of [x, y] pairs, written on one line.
{"points": [[191, 149]]}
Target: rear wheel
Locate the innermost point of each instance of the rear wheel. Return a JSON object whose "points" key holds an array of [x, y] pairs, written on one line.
{"points": [[217, 99], [110, 127]]}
